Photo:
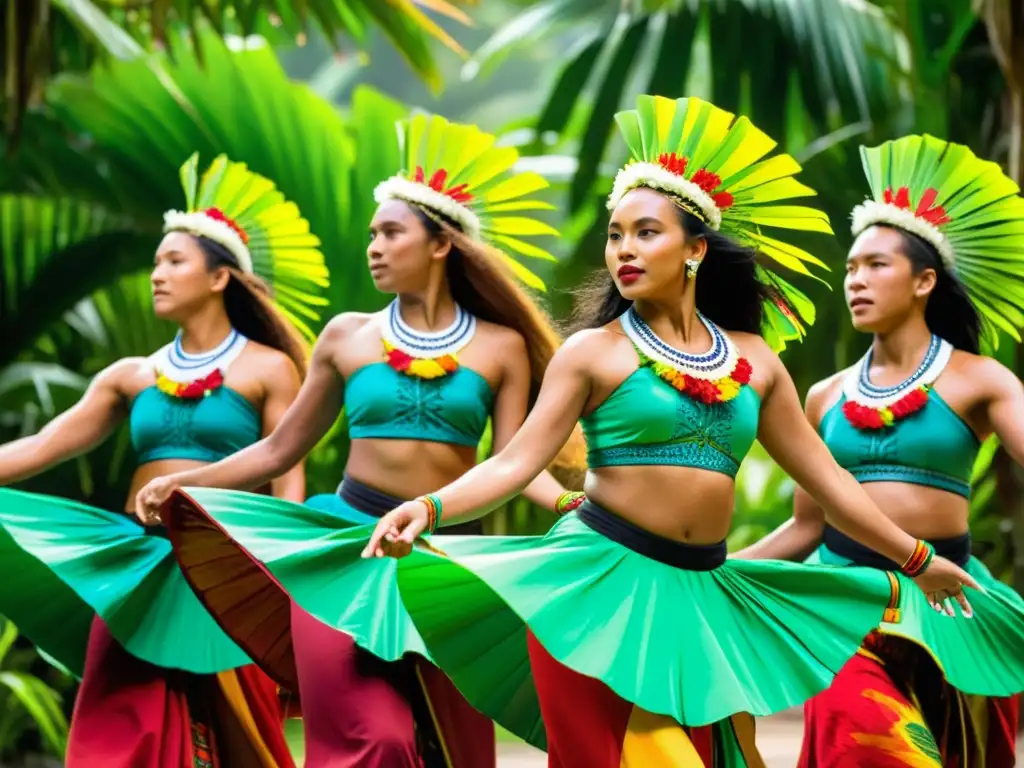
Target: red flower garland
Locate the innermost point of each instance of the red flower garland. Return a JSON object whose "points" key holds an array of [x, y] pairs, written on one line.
{"points": [[865, 417], [704, 390], [193, 390]]}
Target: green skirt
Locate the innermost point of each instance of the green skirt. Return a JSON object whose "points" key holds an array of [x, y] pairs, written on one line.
{"points": [[699, 646], [983, 656], [62, 563]]}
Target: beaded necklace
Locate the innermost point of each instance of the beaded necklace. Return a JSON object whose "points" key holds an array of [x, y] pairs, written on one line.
{"points": [[421, 354]]}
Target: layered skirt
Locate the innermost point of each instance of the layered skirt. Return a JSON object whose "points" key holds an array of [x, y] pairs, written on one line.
{"points": [[269, 572], [925, 689], [102, 597], [636, 650]]}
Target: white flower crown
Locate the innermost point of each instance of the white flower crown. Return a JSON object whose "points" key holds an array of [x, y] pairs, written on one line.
{"points": [[872, 212], [200, 224], [650, 175], [401, 188]]}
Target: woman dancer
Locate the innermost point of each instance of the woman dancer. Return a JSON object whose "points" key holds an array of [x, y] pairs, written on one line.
{"points": [[937, 249], [162, 686], [460, 344], [638, 627]]}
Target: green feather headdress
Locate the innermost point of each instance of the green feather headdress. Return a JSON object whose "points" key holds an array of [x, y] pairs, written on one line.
{"points": [[265, 233], [456, 171], [719, 168], [964, 207]]}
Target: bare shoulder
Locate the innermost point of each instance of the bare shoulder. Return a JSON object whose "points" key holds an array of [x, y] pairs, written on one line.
{"points": [[273, 364], [753, 347], [985, 372], [126, 375], [584, 347], [823, 394], [344, 326], [501, 339]]}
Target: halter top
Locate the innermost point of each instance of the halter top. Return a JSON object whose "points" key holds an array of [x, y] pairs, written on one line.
{"points": [[207, 429], [645, 421], [380, 402], [932, 447]]}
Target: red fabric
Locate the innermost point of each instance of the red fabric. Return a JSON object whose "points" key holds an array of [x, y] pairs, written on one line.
{"points": [[468, 735], [585, 720], [864, 719], [357, 709], [1003, 723], [132, 714]]}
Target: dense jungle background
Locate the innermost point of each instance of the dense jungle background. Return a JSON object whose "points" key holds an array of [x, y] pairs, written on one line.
{"points": [[103, 100]]}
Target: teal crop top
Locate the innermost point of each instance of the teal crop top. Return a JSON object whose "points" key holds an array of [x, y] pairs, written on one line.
{"points": [[932, 447], [383, 403], [207, 429], [646, 421]]}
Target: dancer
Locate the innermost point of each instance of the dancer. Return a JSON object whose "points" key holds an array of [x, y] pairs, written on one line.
{"points": [[460, 344], [162, 686], [638, 629], [935, 265]]}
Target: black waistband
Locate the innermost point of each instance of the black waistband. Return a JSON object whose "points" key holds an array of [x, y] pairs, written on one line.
{"points": [[687, 557], [957, 549], [376, 503]]}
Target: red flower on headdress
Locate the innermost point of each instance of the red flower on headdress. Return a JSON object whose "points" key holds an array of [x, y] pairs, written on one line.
{"points": [[672, 163], [218, 215], [709, 182], [926, 208], [457, 193]]}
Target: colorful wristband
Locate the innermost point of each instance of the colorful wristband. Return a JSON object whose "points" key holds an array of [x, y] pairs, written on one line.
{"points": [[433, 504], [919, 559], [569, 501]]}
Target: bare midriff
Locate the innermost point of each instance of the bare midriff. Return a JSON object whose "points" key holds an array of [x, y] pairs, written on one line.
{"points": [[679, 503]]}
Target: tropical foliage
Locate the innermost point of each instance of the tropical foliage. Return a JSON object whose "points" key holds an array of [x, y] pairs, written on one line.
{"points": [[99, 148]]}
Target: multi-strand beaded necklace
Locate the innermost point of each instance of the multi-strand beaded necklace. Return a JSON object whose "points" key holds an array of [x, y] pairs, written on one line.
{"points": [[869, 407], [193, 376], [425, 355], [716, 376]]}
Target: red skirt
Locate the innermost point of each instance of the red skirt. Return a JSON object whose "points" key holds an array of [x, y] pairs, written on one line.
{"points": [[589, 725], [361, 712], [131, 714], [890, 707]]}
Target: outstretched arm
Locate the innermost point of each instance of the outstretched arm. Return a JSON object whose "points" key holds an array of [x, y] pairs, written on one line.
{"points": [[562, 398], [510, 408], [301, 427], [76, 431]]}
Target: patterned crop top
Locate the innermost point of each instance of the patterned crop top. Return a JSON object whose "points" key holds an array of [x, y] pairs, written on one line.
{"points": [[205, 429], [932, 447], [646, 421], [382, 403]]}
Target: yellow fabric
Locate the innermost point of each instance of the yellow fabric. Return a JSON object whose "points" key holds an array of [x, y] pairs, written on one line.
{"points": [[235, 698], [657, 741]]}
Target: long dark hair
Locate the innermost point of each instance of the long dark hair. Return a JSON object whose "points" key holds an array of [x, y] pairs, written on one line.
{"points": [[730, 291], [250, 310], [482, 285], [950, 314]]}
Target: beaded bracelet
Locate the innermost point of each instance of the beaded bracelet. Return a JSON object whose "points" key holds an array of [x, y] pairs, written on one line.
{"points": [[569, 501], [433, 504], [919, 559]]}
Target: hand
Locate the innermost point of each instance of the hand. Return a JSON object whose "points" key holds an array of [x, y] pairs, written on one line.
{"points": [[943, 580], [152, 496], [397, 530]]}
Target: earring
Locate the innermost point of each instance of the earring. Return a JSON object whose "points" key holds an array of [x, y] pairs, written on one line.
{"points": [[692, 265]]}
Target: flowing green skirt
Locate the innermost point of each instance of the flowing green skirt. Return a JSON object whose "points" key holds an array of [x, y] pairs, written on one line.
{"points": [[699, 646], [983, 656], [62, 562]]}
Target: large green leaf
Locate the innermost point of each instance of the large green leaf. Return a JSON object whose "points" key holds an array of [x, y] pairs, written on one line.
{"points": [[53, 252], [836, 60]]}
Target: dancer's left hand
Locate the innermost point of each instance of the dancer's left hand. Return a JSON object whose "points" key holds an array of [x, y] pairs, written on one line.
{"points": [[397, 530]]}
